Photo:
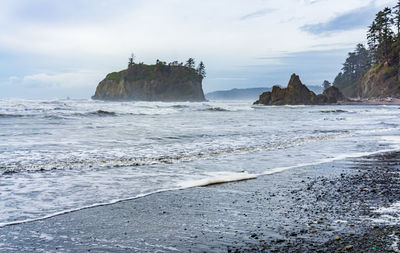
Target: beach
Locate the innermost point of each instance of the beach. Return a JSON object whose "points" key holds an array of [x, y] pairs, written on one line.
{"points": [[187, 126], [323, 208]]}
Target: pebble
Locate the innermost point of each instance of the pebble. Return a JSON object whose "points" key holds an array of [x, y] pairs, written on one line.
{"points": [[349, 247]]}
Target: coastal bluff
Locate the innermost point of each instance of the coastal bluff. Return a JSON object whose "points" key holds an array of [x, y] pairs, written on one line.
{"points": [[159, 82], [297, 93]]}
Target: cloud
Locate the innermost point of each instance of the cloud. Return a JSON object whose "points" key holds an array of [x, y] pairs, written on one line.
{"points": [[256, 14], [60, 80], [358, 18], [48, 44], [80, 84]]}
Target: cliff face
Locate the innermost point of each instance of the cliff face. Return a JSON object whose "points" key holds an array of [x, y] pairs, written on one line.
{"points": [[297, 93], [152, 83], [379, 82]]}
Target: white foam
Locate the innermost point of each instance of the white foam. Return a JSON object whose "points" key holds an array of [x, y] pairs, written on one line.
{"points": [[327, 160], [394, 139], [340, 221], [4, 224], [394, 208], [215, 178], [395, 243], [388, 215], [219, 178], [46, 236]]}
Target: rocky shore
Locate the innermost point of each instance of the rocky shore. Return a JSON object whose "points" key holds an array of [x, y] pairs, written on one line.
{"points": [[323, 208]]}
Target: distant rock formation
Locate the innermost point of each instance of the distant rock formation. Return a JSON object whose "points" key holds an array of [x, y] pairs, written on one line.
{"points": [[159, 82], [297, 93], [237, 94], [333, 95]]}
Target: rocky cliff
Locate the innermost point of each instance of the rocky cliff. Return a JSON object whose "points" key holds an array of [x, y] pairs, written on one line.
{"points": [[297, 93], [158, 82], [379, 82]]}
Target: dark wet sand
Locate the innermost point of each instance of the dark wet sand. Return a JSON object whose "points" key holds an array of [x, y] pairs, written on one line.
{"points": [[299, 210]]}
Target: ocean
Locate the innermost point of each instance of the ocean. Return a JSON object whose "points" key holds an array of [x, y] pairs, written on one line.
{"points": [[58, 156]]}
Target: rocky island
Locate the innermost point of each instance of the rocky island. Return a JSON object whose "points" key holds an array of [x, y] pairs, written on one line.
{"points": [[297, 93], [159, 82]]}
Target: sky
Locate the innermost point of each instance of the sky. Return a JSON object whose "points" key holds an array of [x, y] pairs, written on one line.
{"points": [[59, 49]]}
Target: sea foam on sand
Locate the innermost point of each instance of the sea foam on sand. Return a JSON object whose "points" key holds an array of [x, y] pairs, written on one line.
{"points": [[219, 178]]}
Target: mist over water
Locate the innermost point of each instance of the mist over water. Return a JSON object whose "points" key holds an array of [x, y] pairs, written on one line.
{"points": [[62, 155]]}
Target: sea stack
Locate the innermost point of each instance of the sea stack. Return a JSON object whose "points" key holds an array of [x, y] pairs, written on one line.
{"points": [[297, 93], [159, 82]]}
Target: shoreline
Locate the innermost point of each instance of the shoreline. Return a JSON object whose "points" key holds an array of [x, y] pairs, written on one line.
{"points": [[222, 178], [373, 101], [302, 209]]}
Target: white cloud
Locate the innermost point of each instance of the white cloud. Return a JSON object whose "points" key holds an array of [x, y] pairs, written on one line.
{"points": [[179, 29], [59, 80]]}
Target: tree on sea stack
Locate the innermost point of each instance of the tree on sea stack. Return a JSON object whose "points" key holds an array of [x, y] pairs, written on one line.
{"points": [[201, 70], [326, 84], [190, 63], [131, 60]]}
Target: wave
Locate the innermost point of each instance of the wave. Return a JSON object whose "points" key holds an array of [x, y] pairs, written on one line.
{"points": [[141, 161], [389, 124], [101, 112], [11, 223], [332, 159], [215, 178], [5, 115], [333, 111], [180, 106], [216, 109], [63, 115], [224, 177]]}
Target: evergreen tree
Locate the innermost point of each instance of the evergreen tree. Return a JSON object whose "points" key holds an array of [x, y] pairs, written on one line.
{"points": [[384, 32], [356, 65], [201, 70], [131, 60], [363, 60], [326, 84], [372, 37], [396, 21], [396, 18], [190, 63]]}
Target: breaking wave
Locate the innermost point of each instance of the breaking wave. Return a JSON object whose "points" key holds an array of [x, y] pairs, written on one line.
{"points": [[141, 161]]}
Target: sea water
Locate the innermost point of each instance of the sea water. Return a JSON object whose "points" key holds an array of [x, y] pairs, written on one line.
{"points": [[58, 156]]}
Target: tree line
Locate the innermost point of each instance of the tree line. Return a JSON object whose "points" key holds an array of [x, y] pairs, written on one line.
{"points": [[356, 65], [383, 38], [190, 63]]}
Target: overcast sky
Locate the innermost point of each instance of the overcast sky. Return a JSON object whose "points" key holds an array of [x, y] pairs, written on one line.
{"points": [[65, 48]]}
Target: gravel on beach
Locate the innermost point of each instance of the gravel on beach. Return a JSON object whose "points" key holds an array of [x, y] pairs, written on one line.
{"points": [[323, 208]]}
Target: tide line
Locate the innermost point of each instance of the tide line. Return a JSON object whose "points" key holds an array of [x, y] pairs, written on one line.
{"points": [[216, 178]]}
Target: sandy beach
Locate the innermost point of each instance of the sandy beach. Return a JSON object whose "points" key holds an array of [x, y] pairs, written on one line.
{"points": [[324, 208]]}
